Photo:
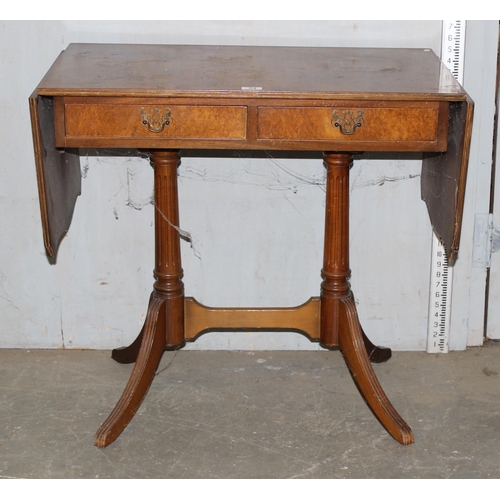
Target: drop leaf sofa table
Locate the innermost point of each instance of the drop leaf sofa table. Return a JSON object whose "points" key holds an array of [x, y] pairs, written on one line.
{"points": [[160, 99]]}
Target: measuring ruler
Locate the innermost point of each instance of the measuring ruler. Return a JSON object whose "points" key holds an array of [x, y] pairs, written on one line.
{"points": [[438, 330], [453, 48]]}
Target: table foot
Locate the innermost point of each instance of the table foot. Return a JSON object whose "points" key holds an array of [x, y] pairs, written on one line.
{"points": [[376, 354], [128, 354], [352, 344], [149, 354]]}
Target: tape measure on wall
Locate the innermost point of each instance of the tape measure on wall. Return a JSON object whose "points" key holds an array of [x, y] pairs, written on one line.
{"points": [[438, 331]]}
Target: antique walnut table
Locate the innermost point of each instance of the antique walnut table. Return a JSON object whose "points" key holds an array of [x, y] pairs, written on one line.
{"points": [[160, 99]]}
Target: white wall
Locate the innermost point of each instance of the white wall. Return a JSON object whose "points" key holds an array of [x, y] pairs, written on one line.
{"points": [[96, 295], [493, 327], [469, 283]]}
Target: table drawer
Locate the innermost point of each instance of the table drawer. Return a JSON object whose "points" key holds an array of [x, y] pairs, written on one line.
{"points": [[154, 121], [357, 124]]}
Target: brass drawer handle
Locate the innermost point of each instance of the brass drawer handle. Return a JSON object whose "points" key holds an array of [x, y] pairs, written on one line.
{"points": [[347, 120], [156, 119]]}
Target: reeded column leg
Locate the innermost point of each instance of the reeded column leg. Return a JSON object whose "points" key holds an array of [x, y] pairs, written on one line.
{"points": [[168, 271], [164, 325], [335, 272], [339, 320]]}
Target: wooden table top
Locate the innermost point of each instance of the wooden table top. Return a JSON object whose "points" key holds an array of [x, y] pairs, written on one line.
{"points": [[250, 71], [283, 98]]}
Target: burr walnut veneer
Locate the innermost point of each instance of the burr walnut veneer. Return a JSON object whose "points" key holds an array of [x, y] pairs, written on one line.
{"points": [[161, 99]]}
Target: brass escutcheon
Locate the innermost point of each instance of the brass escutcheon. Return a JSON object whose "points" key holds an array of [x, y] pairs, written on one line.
{"points": [[156, 119], [347, 120]]}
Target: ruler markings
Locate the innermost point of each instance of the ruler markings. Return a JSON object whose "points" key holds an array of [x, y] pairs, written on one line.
{"points": [[438, 331]]}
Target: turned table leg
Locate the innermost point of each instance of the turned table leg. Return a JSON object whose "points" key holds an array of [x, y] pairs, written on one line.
{"points": [[164, 325], [339, 319]]}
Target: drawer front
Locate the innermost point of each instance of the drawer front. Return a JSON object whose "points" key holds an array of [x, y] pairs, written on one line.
{"points": [[363, 124], [155, 122]]}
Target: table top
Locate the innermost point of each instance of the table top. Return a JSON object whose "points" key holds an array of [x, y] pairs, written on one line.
{"points": [[251, 97], [129, 70]]}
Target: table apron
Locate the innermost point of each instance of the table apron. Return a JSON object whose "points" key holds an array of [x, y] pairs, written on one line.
{"points": [[394, 126]]}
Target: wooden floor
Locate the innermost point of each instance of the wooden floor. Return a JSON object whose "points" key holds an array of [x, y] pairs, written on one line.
{"points": [[250, 414]]}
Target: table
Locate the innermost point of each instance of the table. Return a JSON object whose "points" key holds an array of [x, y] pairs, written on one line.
{"points": [[161, 99]]}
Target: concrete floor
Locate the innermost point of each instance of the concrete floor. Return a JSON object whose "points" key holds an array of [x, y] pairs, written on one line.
{"points": [[250, 415]]}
